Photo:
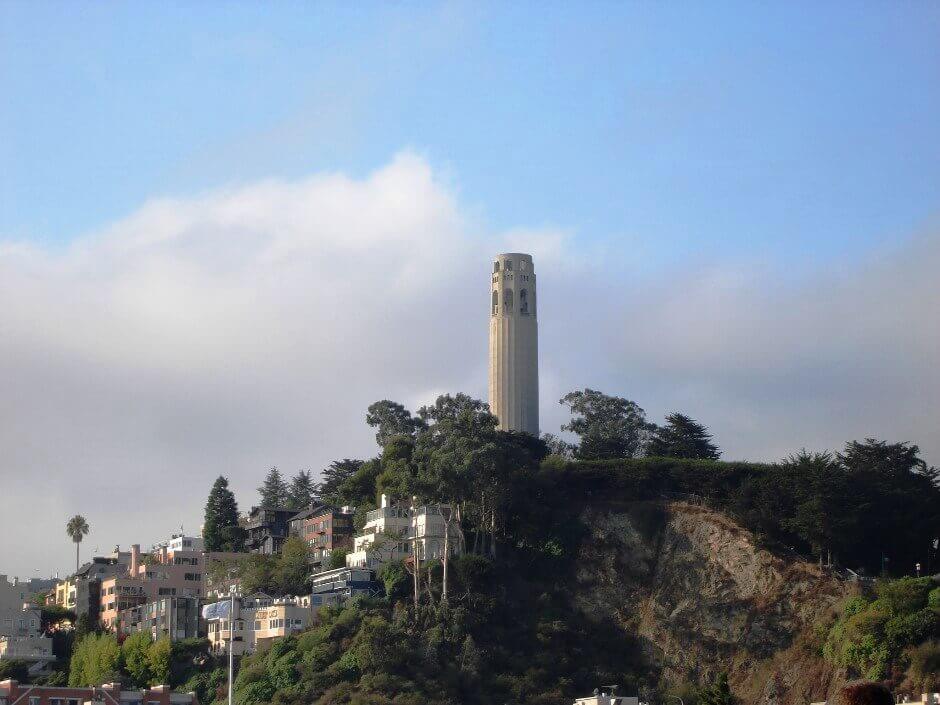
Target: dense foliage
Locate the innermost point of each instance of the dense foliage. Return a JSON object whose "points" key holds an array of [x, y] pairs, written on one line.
{"points": [[876, 635], [874, 505], [286, 573], [140, 662], [607, 426]]}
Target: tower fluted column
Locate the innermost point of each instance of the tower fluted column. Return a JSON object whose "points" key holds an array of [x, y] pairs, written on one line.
{"points": [[514, 347]]}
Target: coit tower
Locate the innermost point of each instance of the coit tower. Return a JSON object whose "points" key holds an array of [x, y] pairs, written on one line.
{"points": [[514, 344]]}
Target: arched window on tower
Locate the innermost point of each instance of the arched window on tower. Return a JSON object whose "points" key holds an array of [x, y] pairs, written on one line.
{"points": [[507, 300], [524, 302], [507, 265], [495, 266], [495, 302]]}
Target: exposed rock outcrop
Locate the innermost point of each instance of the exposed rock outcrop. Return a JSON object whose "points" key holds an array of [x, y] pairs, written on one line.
{"points": [[702, 597]]}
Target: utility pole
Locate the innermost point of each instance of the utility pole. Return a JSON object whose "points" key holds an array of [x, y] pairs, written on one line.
{"points": [[231, 641]]}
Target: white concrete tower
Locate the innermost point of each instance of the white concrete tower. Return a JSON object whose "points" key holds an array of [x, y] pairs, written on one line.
{"points": [[514, 344]]}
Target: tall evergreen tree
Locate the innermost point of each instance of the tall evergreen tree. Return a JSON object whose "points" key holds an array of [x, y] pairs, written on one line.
{"points": [[302, 490], [682, 437], [273, 491], [220, 529]]}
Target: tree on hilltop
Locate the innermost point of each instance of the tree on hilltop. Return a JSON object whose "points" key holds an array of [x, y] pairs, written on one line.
{"points": [[274, 492], [682, 437], [609, 427], [338, 472], [220, 530], [302, 491], [391, 419]]}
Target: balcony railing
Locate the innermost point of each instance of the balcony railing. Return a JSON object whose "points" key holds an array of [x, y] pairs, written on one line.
{"points": [[388, 513]]}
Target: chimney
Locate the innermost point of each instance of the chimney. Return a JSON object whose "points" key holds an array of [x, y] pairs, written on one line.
{"points": [[135, 559]]}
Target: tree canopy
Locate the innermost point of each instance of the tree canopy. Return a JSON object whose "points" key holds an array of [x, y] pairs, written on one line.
{"points": [[608, 426], [390, 419]]}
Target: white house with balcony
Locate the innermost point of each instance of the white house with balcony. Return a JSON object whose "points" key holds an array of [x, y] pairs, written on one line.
{"points": [[393, 531]]}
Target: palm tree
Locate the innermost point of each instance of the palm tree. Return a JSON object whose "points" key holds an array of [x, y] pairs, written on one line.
{"points": [[77, 528]]}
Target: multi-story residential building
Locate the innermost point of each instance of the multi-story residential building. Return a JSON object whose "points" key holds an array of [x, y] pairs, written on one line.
{"points": [[268, 529], [334, 587], [120, 593], [259, 619], [384, 538], [326, 529], [427, 533], [173, 617], [24, 641], [176, 568], [393, 532], [13, 595], [84, 587], [12, 692], [80, 591], [65, 593]]}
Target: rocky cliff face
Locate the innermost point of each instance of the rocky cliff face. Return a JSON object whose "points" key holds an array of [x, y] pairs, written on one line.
{"points": [[703, 598]]}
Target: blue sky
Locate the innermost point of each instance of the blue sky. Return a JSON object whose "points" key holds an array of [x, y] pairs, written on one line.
{"points": [[227, 228], [695, 130]]}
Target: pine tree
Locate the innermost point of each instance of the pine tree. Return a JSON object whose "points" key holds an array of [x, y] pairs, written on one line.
{"points": [[302, 490], [220, 530], [682, 437], [335, 475], [273, 491]]}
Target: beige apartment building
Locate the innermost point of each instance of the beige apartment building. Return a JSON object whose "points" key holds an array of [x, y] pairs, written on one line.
{"points": [[393, 532], [258, 620]]}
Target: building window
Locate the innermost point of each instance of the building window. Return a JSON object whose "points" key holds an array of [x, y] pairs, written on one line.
{"points": [[524, 302], [495, 302], [507, 265], [495, 266], [507, 300]]}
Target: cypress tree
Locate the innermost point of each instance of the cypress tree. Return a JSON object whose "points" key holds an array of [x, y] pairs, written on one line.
{"points": [[682, 437], [220, 530]]}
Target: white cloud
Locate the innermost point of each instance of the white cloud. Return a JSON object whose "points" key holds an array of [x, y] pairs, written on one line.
{"points": [[252, 326]]}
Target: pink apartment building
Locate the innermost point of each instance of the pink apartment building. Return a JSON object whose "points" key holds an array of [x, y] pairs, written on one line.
{"points": [[176, 568]]}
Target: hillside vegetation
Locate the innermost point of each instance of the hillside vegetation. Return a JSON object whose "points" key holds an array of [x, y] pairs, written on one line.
{"points": [[585, 565]]}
